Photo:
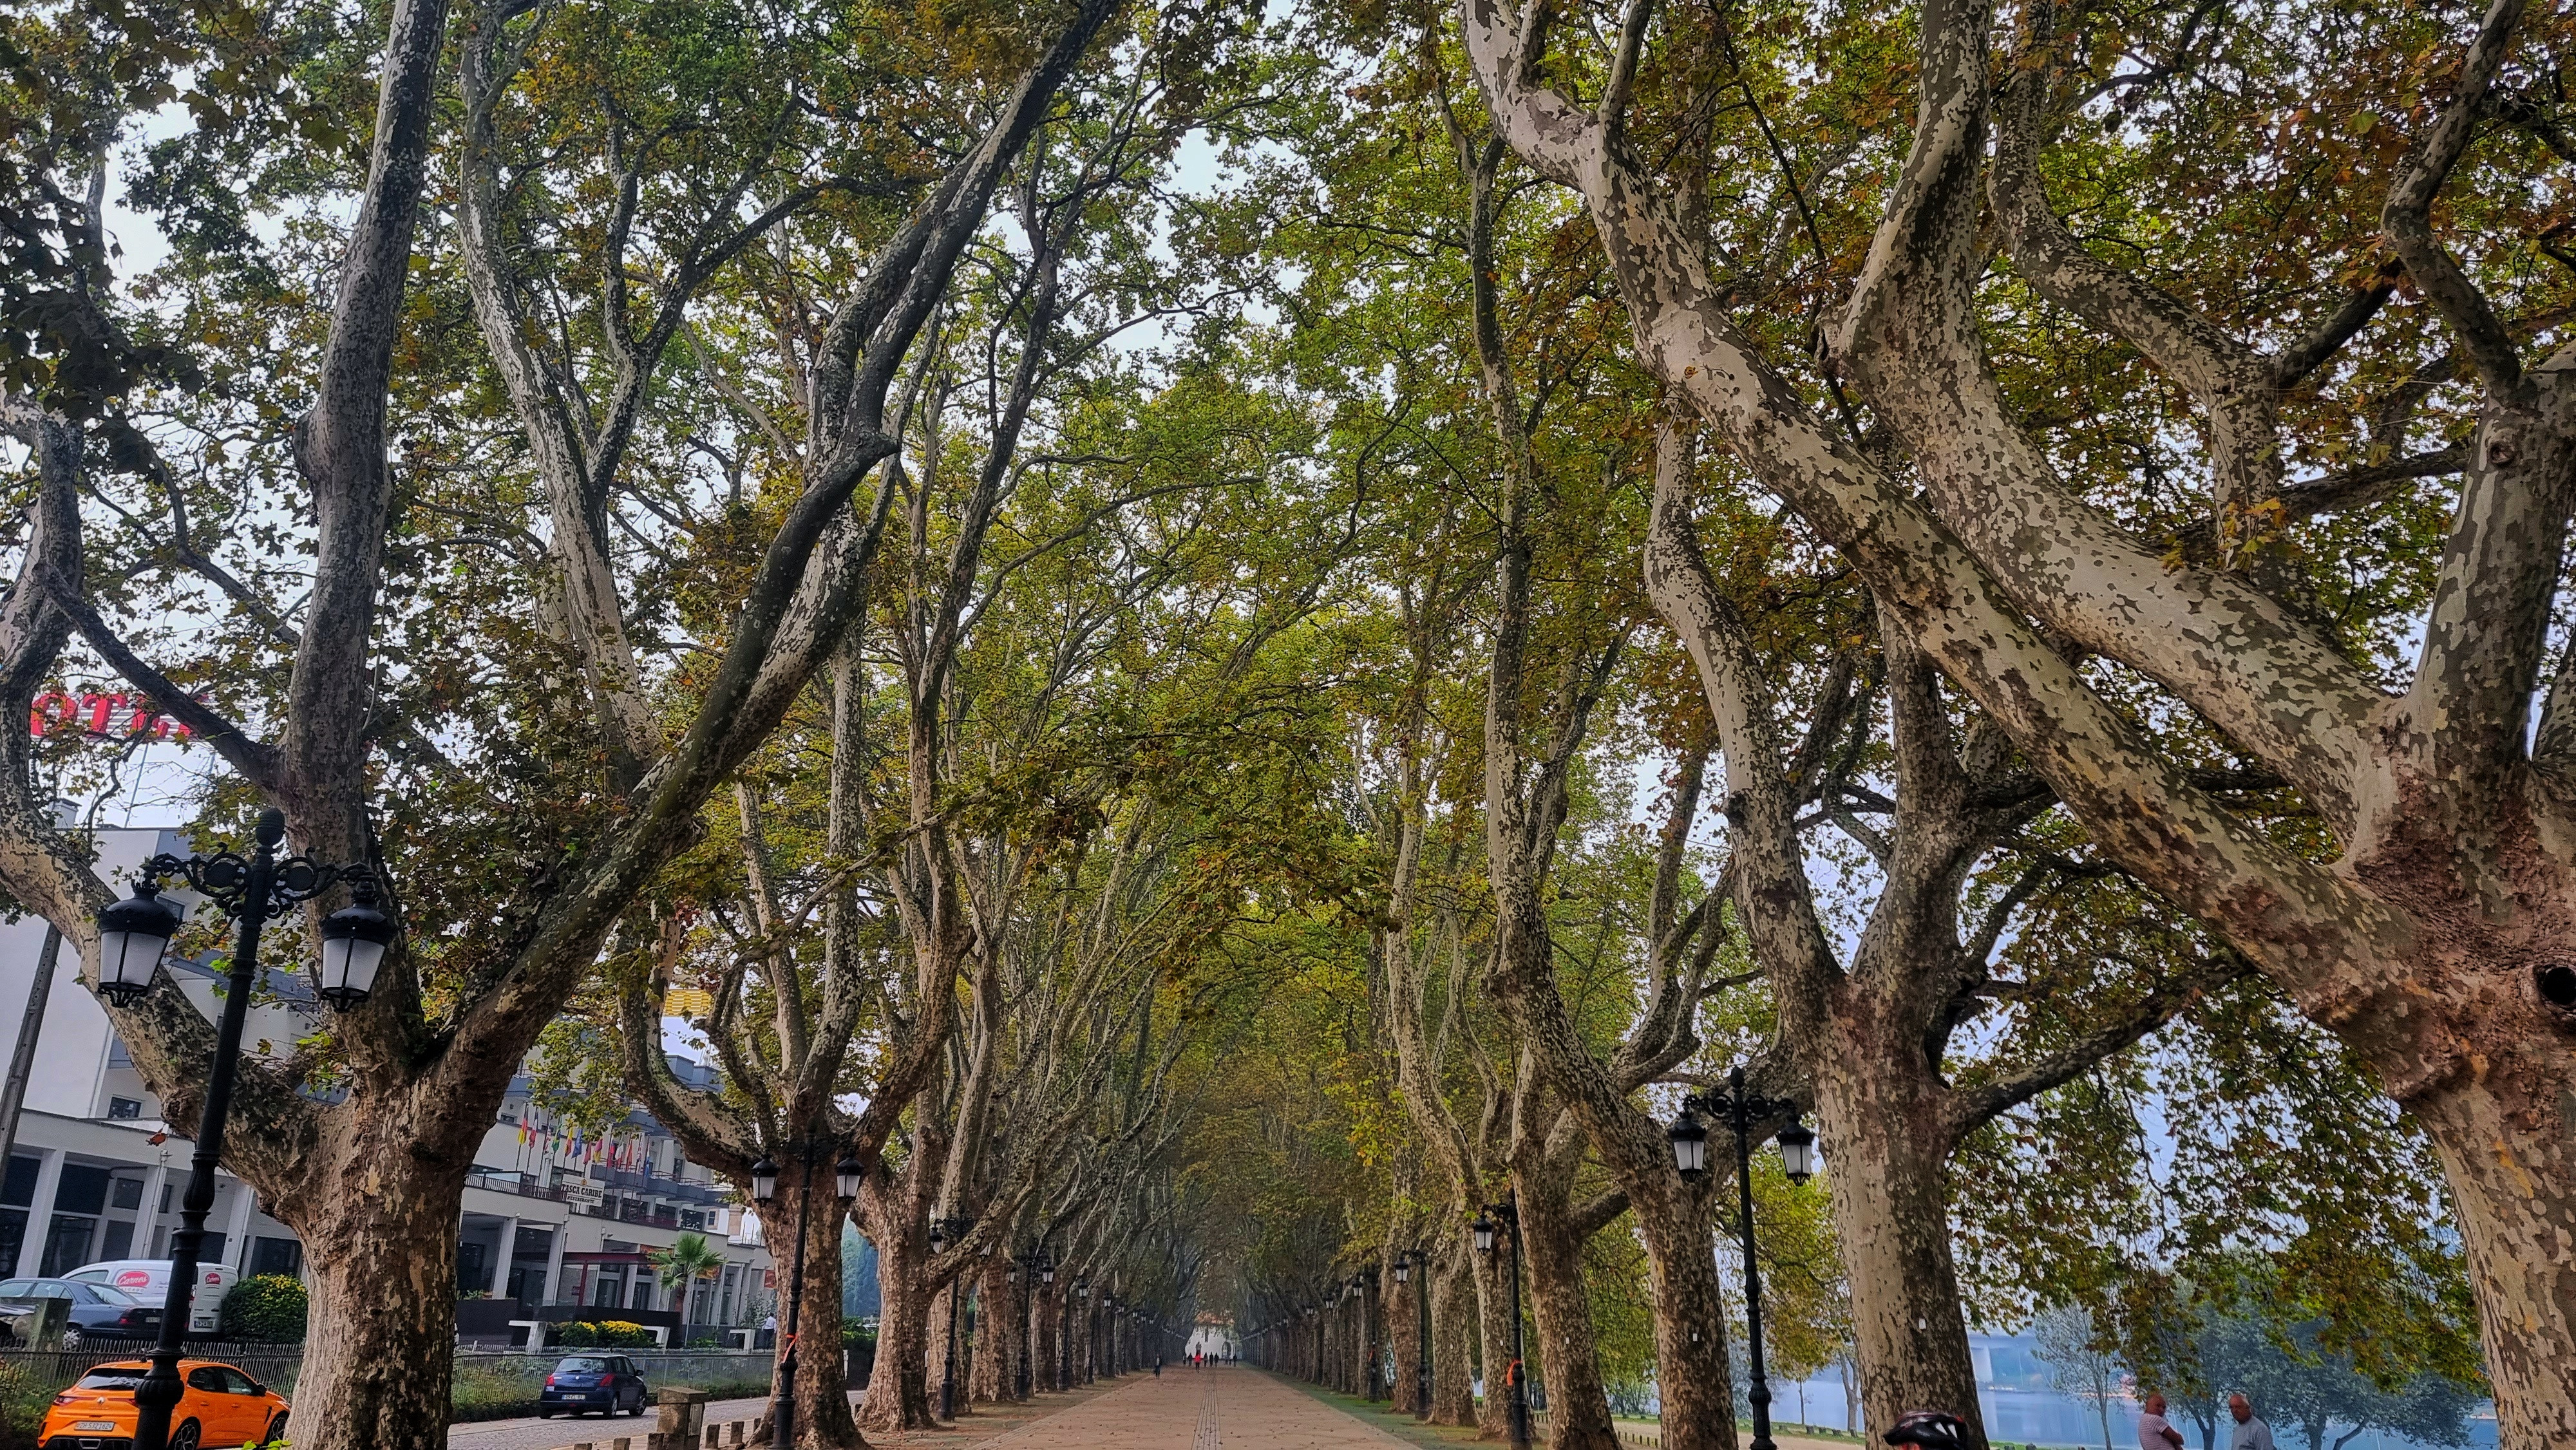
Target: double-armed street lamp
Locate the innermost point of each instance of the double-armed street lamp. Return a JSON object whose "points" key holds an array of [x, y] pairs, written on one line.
{"points": [[134, 935], [1406, 1262], [1507, 1215], [942, 1232], [1090, 1340], [846, 1176], [1041, 1272], [1689, 1138], [1359, 1292]]}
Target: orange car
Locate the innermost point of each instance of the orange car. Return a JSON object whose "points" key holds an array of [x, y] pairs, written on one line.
{"points": [[220, 1406]]}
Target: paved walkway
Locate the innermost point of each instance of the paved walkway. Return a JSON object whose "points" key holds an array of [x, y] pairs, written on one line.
{"points": [[1218, 1408], [988, 1426], [1211, 1409]]}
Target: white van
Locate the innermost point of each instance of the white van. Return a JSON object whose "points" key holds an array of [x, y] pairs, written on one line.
{"points": [[149, 1281]]}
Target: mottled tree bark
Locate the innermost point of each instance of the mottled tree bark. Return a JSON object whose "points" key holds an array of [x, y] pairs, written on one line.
{"points": [[1560, 1305], [1454, 1331]]}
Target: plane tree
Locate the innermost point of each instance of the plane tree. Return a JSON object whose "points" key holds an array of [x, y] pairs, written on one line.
{"points": [[572, 813], [2419, 924]]}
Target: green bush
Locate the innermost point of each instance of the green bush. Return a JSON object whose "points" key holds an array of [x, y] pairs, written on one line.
{"points": [[607, 1334], [621, 1334], [265, 1309]]}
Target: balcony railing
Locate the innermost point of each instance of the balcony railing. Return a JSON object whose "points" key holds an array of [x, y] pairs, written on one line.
{"points": [[523, 1187]]}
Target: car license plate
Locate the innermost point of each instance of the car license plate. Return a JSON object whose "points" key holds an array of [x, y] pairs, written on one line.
{"points": [[93, 1425]]}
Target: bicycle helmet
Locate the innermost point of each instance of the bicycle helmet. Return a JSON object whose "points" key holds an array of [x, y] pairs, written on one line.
{"points": [[1933, 1429]]}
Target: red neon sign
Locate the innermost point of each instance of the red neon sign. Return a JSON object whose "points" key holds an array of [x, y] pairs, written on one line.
{"points": [[99, 714]]}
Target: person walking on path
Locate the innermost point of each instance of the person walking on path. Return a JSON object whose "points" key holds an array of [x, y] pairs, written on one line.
{"points": [[2154, 1431], [1158, 1366], [2251, 1433]]}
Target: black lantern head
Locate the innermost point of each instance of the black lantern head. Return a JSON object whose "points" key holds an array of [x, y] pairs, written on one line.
{"points": [[1483, 1228], [132, 936], [1689, 1137], [1403, 1270], [354, 941], [847, 1174], [1798, 1152], [764, 1180]]}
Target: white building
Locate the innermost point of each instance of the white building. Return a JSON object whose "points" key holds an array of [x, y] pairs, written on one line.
{"points": [[552, 1219]]}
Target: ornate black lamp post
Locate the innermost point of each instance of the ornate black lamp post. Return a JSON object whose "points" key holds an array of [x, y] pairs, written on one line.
{"points": [[846, 1174], [1689, 1138], [942, 1230], [1090, 1345], [1368, 1337], [1508, 1214], [1406, 1263], [1041, 1271], [134, 934]]}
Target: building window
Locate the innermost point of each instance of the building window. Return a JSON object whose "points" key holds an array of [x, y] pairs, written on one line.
{"points": [[81, 1189], [276, 1256], [19, 1189], [472, 1274], [67, 1245], [118, 1241], [125, 1193], [124, 1110]]}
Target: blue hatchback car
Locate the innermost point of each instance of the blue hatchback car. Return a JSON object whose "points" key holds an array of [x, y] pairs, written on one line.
{"points": [[581, 1383]]}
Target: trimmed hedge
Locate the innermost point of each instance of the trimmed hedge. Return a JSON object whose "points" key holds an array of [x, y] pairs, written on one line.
{"points": [[607, 1334], [265, 1309]]}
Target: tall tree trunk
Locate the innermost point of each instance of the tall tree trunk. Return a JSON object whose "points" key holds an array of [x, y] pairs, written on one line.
{"points": [[2507, 1136], [1046, 1370], [822, 1400], [1493, 1339], [997, 1337], [382, 1259], [1889, 1147], [1453, 1332], [1694, 1378], [899, 1390], [1403, 1326], [1560, 1304]]}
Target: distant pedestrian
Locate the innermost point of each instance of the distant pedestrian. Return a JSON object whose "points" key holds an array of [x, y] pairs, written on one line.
{"points": [[2250, 1432], [2154, 1431], [1158, 1366]]}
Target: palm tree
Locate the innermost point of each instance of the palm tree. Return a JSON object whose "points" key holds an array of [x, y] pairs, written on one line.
{"points": [[689, 1259]]}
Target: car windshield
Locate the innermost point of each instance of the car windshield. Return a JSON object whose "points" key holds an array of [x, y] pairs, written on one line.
{"points": [[112, 1379], [583, 1364]]}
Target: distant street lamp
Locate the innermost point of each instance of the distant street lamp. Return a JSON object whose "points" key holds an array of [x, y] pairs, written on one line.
{"points": [[942, 1230], [1405, 1263], [1508, 1212], [1689, 1138], [134, 935], [1090, 1338]]}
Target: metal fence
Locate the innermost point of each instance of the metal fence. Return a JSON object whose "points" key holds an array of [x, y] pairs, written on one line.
{"points": [[30, 1371], [483, 1381]]}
